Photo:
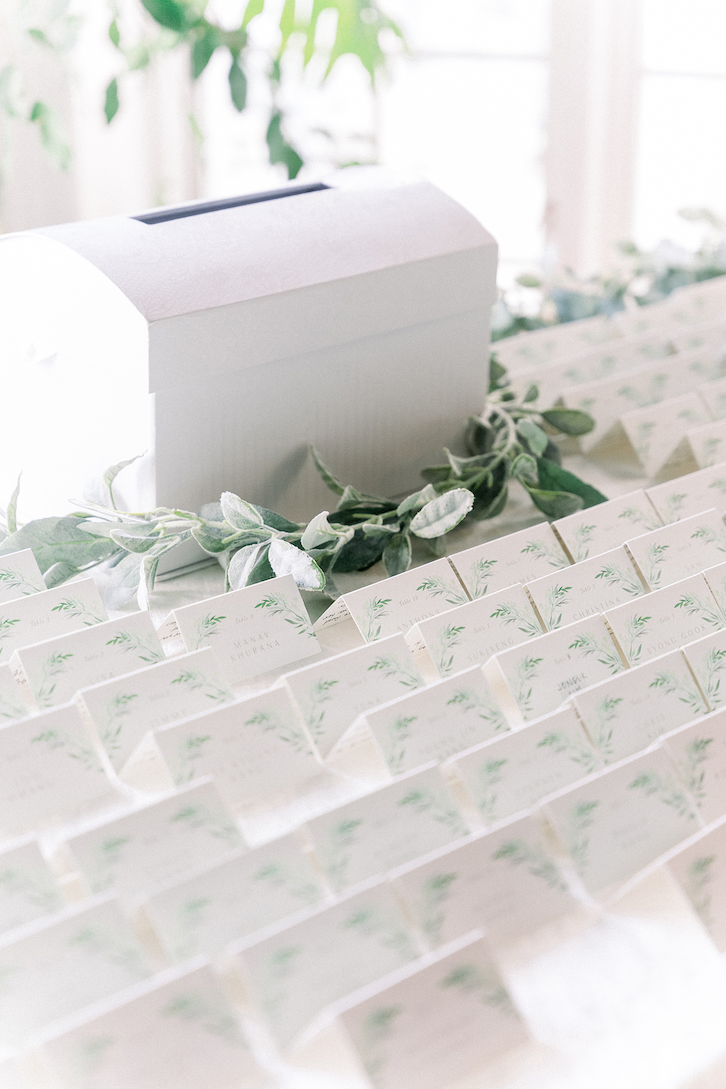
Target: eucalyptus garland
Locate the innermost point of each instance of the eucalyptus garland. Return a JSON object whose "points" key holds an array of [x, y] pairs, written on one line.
{"points": [[511, 439]]}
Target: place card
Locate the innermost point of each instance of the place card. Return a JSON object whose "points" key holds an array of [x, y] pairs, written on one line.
{"points": [[297, 970], [517, 557], [428, 1027], [708, 443], [28, 889], [699, 867], [19, 575], [683, 548], [716, 579], [713, 395], [603, 527], [253, 630], [665, 620], [698, 751], [512, 773], [54, 670], [122, 711], [707, 659], [619, 820], [44, 615], [154, 843], [542, 346], [436, 722], [646, 319], [469, 635], [712, 335], [586, 588], [257, 746], [332, 693], [12, 703], [627, 713], [225, 901], [385, 828], [52, 968], [540, 676], [176, 1030], [690, 494], [656, 432]]}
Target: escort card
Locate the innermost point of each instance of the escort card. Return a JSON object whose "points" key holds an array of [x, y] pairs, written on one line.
{"points": [[708, 443], [698, 750], [254, 747], [230, 899], [123, 710], [514, 772], [603, 527], [332, 693], [298, 970], [683, 548], [627, 713], [619, 820], [586, 588], [12, 703], [177, 1030], [699, 867], [656, 432], [53, 671], [383, 829], [157, 842], [424, 1028], [92, 945], [540, 676], [469, 635], [707, 659], [44, 615], [712, 335], [713, 395], [716, 580], [542, 346], [253, 630], [517, 557], [665, 620], [28, 889], [436, 722], [19, 575], [690, 494]]}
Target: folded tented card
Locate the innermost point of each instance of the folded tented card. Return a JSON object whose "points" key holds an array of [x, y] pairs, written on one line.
{"points": [[698, 750], [657, 432], [93, 946], [542, 346], [19, 575], [713, 395], [436, 722], [469, 635], [716, 579], [586, 588], [253, 630], [665, 620], [158, 842], [221, 903], [176, 1031], [518, 557], [627, 713], [707, 659], [298, 970], [514, 772], [332, 693], [54, 670], [255, 747], [699, 867], [383, 829], [690, 494], [36, 617], [124, 709], [425, 1028], [619, 820], [12, 702], [541, 675], [683, 548], [712, 334], [28, 889], [708, 443], [599, 529]]}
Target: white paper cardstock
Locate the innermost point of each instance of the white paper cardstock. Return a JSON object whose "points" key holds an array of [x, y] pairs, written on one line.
{"points": [[28, 889], [708, 443], [19, 575], [542, 675], [606, 526], [45, 615], [54, 670], [585, 589], [665, 620], [713, 395], [681, 549], [707, 659], [619, 820], [690, 494], [716, 579], [657, 431], [436, 722], [469, 635], [712, 334], [123, 710], [255, 747], [513, 773], [698, 751], [542, 346], [383, 829], [13, 704], [699, 867], [519, 557], [253, 630]]}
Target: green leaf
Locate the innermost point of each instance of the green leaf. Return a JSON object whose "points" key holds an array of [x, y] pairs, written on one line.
{"points": [[285, 559], [52, 134], [327, 474], [55, 540], [203, 50], [528, 280], [262, 571], [254, 7], [397, 554], [135, 542], [113, 33], [276, 521], [569, 420], [359, 553], [524, 468], [238, 90], [111, 103], [556, 504], [534, 436], [319, 532], [416, 500], [39, 36], [241, 565], [110, 475], [238, 513], [11, 515], [280, 150], [171, 14], [59, 573], [490, 505], [480, 437], [435, 474], [553, 478], [531, 393], [443, 513], [123, 582], [497, 374]]}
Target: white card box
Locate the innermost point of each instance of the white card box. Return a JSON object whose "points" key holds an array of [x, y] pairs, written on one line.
{"points": [[28, 889], [19, 575], [296, 971], [699, 867], [13, 704], [707, 659], [606, 526], [439, 1021], [513, 773], [436, 722], [518, 557], [156, 842], [543, 346], [657, 432], [122, 711], [698, 751], [44, 615], [680, 549], [54, 670], [385, 828], [713, 395], [690, 494], [708, 442], [585, 589], [53, 968]]}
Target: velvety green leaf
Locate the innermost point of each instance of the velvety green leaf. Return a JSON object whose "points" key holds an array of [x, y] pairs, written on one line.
{"points": [[138, 543], [569, 420], [111, 103], [203, 50], [359, 554], [527, 279], [556, 504], [436, 473], [554, 478], [491, 504], [524, 468], [123, 582], [279, 149], [552, 453], [213, 539], [397, 554], [238, 513], [285, 559], [241, 566], [276, 521], [531, 393], [416, 500], [254, 7], [327, 474], [11, 513], [238, 87], [52, 134], [171, 13], [534, 436], [497, 374], [110, 475], [113, 33], [55, 540], [262, 571], [443, 513], [319, 532], [59, 573]]}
